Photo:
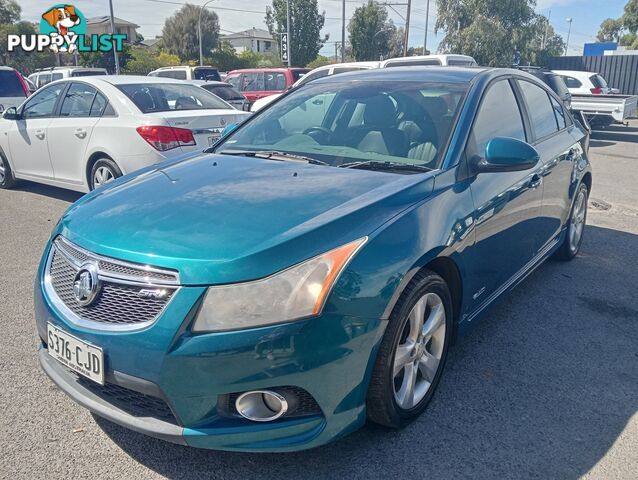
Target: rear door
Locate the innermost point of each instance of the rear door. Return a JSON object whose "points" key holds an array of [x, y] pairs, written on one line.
{"points": [[70, 133], [28, 136], [507, 204], [557, 143]]}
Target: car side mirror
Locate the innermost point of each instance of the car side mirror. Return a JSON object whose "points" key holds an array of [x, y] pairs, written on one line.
{"points": [[504, 154], [11, 113]]}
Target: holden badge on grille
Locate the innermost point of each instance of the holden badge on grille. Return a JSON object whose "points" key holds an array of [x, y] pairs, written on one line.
{"points": [[86, 284]]}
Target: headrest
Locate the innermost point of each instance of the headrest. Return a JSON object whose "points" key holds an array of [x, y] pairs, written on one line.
{"points": [[380, 112]]}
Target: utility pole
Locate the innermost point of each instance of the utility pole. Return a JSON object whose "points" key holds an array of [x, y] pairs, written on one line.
{"points": [[343, 31], [117, 63], [569, 31], [288, 31], [199, 31], [549, 16], [407, 29], [427, 18], [336, 52]]}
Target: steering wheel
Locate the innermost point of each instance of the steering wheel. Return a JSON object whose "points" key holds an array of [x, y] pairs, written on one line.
{"points": [[322, 131]]}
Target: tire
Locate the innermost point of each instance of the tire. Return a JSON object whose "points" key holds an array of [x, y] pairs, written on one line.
{"points": [[7, 180], [575, 226], [104, 170], [388, 401]]}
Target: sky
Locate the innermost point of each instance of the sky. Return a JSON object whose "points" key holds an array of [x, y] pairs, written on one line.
{"points": [[237, 15]]}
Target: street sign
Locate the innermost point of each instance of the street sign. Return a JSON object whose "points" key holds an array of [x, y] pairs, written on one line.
{"points": [[284, 47]]}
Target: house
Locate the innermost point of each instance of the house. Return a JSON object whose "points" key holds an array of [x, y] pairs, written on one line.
{"points": [[101, 25], [254, 40], [152, 44]]}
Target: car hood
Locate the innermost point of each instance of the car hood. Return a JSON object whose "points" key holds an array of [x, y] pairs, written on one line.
{"points": [[221, 219]]}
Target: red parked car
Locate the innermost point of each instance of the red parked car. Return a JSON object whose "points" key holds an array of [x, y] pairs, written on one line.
{"points": [[13, 89], [256, 83]]}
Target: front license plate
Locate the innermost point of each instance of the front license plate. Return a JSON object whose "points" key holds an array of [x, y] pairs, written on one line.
{"points": [[79, 356]]}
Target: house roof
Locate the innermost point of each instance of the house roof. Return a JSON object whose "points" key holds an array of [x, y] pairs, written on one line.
{"points": [[149, 42], [250, 33], [106, 19]]}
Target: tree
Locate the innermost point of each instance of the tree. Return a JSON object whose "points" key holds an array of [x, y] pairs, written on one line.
{"points": [[370, 32], [25, 62], [106, 59], [9, 11], [610, 30], [540, 43], [143, 60], [492, 31], [630, 17], [305, 28], [180, 32], [320, 61]]}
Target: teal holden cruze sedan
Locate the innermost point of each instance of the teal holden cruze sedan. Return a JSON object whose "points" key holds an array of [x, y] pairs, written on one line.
{"points": [[311, 270]]}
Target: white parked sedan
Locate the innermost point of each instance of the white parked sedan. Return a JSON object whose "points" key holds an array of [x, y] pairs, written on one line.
{"points": [[81, 133]]}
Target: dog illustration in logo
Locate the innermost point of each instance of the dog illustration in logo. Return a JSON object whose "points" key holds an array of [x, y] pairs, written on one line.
{"points": [[62, 19]]}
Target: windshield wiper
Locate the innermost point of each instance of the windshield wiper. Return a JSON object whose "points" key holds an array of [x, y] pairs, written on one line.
{"points": [[275, 155], [377, 165]]}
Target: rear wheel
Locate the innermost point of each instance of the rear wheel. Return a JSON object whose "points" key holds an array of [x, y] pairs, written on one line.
{"points": [[412, 353], [6, 175], [575, 226], [104, 171]]}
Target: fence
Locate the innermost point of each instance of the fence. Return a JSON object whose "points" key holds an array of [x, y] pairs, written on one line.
{"points": [[620, 71]]}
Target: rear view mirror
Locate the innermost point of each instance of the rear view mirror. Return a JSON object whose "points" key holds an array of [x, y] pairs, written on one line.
{"points": [[504, 154], [11, 113]]}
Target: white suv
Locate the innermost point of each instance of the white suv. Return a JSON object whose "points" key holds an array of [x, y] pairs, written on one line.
{"points": [[48, 75], [187, 73], [585, 83]]}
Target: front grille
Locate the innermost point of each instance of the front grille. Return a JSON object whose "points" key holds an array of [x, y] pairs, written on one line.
{"points": [[118, 304], [134, 403]]}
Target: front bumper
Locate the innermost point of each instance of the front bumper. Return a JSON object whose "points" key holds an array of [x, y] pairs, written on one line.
{"points": [[328, 356]]}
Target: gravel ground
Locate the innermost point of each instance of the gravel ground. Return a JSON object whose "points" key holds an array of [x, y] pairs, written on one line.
{"points": [[545, 387]]}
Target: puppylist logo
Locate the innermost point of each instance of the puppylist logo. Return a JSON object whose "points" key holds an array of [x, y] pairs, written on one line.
{"points": [[63, 29]]}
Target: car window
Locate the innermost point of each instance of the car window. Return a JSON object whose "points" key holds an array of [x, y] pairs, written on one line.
{"points": [[341, 122], [557, 84], [407, 63], [234, 80], [42, 103], [252, 82], [598, 81], [540, 109], [499, 116], [460, 63], [297, 74], [78, 100], [177, 74], [99, 106], [314, 75], [56, 76], [559, 112], [88, 73], [572, 82], [43, 79], [158, 97], [206, 73], [274, 81], [10, 85]]}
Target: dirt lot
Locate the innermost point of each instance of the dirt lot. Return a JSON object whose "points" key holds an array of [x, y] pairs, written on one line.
{"points": [[545, 387]]}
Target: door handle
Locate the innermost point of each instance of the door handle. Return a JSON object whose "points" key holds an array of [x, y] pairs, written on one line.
{"points": [[536, 181], [80, 133], [39, 134]]}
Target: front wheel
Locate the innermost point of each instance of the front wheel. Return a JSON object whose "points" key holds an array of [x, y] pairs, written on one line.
{"points": [[412, 352], [104, 171], [575, 226]]}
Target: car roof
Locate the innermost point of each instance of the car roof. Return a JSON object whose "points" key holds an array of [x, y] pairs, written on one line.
{"points": [[414, 73], [3, 67], [216, 83], [130, 79], [574, 73]]}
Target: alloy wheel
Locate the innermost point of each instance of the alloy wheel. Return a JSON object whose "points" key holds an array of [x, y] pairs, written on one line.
{"points": [[419, 351], [102, 175], [578, 221], [3, 170]]}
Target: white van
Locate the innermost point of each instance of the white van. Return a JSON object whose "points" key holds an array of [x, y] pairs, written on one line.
{"points": [[46, 75], [186, 72], [451, 60]]}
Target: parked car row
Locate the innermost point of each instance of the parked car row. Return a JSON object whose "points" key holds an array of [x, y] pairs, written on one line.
{"points": [[308, 272]]}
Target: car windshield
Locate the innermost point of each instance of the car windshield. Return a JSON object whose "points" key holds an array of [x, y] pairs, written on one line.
{"points": [[10, 85], [225, 93], [162, 97], [365, 121]]}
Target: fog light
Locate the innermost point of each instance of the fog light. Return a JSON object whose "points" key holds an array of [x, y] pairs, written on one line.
{"points": [[261, 405]]}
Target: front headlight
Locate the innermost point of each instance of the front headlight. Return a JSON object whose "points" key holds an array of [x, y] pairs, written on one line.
{"points": [[297, 292]]}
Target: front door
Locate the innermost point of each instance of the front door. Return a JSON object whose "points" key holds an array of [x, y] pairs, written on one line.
{"points": [[28, 137], [507, 204]]}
